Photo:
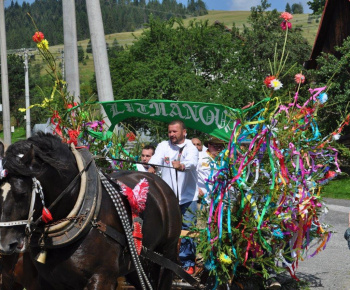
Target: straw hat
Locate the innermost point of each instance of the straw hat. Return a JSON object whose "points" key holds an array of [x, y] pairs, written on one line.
{"points": [[214, 140]]}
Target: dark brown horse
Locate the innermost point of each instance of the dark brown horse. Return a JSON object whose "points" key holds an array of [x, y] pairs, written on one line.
{"points": [[79, 253], [18, 272]]}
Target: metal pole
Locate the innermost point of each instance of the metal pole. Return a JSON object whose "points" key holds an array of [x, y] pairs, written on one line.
{"points": [[71, 49], [99, 50], [4, 78], [63, 67], [26, 86]]}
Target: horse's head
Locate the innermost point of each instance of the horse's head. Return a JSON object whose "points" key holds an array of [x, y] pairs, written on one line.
{"points": [[42, 162], [15, 198]]}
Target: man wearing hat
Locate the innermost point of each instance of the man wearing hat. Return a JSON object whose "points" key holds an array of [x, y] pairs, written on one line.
{"points": [[215, 146]]}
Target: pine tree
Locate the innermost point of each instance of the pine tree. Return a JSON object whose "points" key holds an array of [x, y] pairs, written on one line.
{"points": [[288, 9]]}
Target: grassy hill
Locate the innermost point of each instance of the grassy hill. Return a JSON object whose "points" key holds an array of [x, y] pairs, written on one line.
{"points": [[309, 26]]}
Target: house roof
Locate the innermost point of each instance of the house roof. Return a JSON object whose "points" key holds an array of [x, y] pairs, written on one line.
{"points": [[334, 28]]}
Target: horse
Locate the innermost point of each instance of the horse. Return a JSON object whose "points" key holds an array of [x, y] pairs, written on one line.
{"points": [[80, 254], [18, 272]]}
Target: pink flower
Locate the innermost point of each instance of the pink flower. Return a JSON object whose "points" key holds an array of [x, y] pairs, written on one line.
{"points": [[299, 78], [284, 25], [286, 16]]}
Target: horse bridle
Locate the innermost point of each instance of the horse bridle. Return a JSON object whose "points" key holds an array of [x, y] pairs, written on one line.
{"points": [[37, 189]]}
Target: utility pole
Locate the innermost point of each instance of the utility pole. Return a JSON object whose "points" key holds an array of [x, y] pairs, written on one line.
{"points": [[99, 51], [4, 78], [71, 49], [63, 67], [26, 86]]}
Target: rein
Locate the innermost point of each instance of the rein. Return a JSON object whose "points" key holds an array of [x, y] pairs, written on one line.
{"points": [[130, 161]]}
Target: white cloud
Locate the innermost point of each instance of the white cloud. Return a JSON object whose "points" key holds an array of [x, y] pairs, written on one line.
{"points": [[243, 4]]}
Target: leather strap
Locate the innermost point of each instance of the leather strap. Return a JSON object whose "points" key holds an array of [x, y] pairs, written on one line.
{"points": [[111, 232], [166, 263], [148, 254]]}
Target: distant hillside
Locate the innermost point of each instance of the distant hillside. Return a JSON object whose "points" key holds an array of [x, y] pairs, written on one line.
{"points": [[118, 16], [308, 25]]}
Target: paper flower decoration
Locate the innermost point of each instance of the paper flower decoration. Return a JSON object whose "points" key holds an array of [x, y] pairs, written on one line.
{"points": [[286, 24], [276, 84], [322, 98], [268, 80], [299, 78], [286, 16], [38, 37], [225, 259]]}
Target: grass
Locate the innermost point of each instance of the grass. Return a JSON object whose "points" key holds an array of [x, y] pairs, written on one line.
{"points": [[240, 18], [339, 188], [19, 134]]}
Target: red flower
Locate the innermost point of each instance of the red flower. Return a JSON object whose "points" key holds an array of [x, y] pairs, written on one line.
{"points": [[38, 37], [330, 174], [131, 136], [284, 25], [73, 136], [268, 80], [69, 106]]}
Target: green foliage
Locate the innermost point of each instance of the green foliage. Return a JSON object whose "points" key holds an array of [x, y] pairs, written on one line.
{"points": [[202, 62], [197, 8], [297, 8], [16, 87], [89, 47], [81, 55], [339, 188], [334, 71], [317, 6], [288, 9]]}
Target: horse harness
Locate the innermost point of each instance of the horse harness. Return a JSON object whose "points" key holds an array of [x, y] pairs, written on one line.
{"points": [[82, 219]]}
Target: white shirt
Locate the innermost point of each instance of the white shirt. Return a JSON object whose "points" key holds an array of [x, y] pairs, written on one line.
{"points": [[204, 170], [185, 187]]}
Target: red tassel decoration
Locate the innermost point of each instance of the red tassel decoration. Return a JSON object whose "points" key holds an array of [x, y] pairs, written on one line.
{"points": [[46, 215]]}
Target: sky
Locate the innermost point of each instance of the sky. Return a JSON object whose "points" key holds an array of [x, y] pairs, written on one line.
{"points": [[233, 5], [230, 5]]}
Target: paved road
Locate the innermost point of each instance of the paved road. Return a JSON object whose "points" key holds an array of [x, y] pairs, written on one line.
{"points": [[330, 269]]}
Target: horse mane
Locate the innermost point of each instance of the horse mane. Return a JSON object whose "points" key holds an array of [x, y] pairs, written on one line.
{"points": [[47, 147]]}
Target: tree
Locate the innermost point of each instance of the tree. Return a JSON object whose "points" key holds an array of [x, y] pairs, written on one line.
{"points": [[317, 6], [334, 73], [16, 87], [288, 9], [203, 62], [297, 8], [81, 55], [89, 47]]}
